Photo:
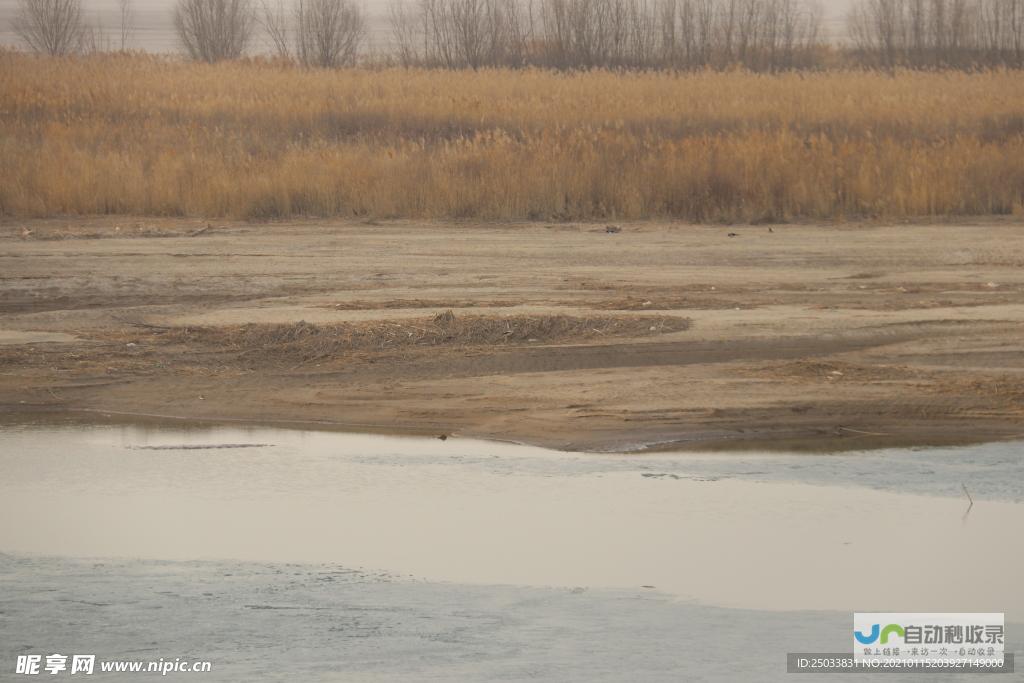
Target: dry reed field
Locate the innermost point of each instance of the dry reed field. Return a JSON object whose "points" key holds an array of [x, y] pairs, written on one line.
{"points": [[145, 135]]}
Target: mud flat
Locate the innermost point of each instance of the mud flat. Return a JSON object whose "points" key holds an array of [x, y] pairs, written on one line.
{"points": [[563, 335]]}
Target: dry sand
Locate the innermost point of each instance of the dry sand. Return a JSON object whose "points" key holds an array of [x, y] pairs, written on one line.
{"points": [[842, 336]]}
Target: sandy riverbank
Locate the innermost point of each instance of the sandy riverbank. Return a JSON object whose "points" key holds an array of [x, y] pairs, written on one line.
{"points": [[852, 335]]}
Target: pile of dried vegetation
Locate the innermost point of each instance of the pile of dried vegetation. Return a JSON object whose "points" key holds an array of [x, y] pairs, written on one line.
{"points": [[304, 341]]}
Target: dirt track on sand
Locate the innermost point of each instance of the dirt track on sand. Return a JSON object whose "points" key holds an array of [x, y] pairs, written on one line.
{"points": [[561, 335]]}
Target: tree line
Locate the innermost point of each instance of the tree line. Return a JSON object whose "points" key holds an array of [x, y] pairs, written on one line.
{"points": [[761, 35], [572, 34], [927, 33]]}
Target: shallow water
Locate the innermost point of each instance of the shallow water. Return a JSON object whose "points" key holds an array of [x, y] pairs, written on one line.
{"points": [[757, 531], [305, 623]]}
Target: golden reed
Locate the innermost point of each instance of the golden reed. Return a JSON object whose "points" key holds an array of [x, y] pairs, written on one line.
{"points": [[136, 134]]}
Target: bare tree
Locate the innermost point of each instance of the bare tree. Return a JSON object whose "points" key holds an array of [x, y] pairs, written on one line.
{"points": [[328, 33], [462, 33], [581, 33], [406, 32], [127, 11], [319, 33], [52, 27], [213, 30], [95, 38], [275, 23], [877, 29]]}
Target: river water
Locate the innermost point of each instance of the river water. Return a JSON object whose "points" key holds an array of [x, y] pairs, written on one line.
{"points": [[522, 538]]}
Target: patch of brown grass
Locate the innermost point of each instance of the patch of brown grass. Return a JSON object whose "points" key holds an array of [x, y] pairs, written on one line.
{"points": [[151, 136]]}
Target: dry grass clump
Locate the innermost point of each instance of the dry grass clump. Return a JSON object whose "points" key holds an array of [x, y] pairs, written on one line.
{"points": [[303, 342], [133, 134]]}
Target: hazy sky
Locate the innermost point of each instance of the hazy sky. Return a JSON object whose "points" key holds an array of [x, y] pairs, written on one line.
{"points": [[154, 30]]}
